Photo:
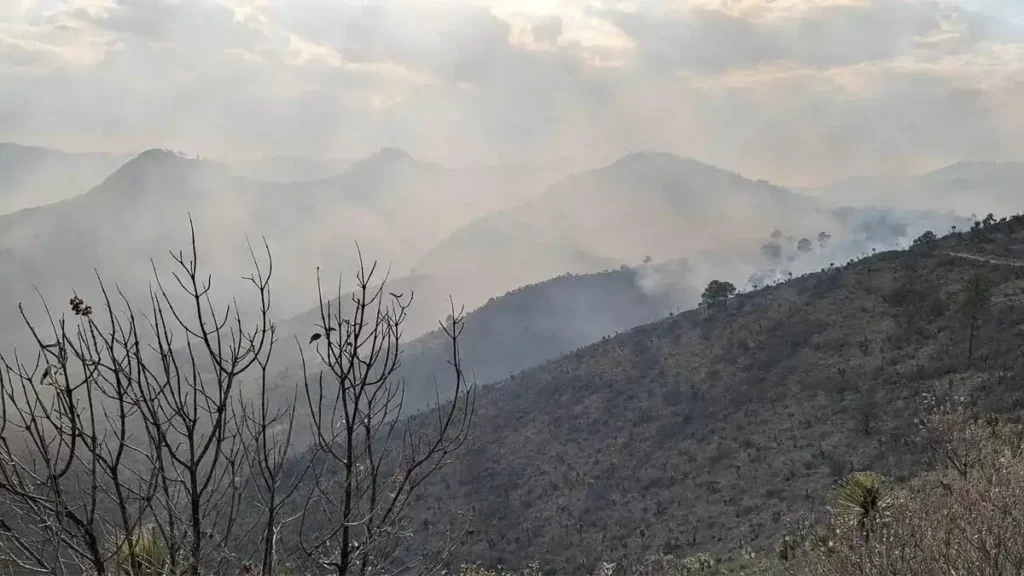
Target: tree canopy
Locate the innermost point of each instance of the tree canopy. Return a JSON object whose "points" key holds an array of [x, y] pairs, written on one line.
{"points": [[716, 295], [926, 239]]}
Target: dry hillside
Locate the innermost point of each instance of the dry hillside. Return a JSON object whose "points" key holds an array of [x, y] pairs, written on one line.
{"points": [[539, 322], [703, 434]]}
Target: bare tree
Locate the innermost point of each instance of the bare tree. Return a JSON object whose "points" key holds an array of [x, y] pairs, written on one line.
{"points": [[368, 462], [975, 297], [66, 438], [118, 437], [276, 473], [188, 402], [153, 443]]}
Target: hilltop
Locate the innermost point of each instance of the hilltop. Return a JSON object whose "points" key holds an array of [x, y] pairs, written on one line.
{"points": [[705, 434], [395, 206]]}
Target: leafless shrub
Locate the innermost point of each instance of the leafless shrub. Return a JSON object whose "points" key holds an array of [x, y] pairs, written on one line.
{"points": [[367, 462]]}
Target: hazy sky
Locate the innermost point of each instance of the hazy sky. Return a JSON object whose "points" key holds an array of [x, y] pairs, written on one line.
{"points": [[796, 91]]}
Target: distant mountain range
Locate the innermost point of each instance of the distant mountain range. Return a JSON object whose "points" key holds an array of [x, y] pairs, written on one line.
{"points": [[965, 188], [644, 204], [394, 206], [652, 204], [657, 205], [722, 434], [466, 233], [32, 176]]}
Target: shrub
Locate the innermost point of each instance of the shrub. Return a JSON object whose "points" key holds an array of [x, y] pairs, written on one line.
{"points": [[963, 518], [143, 555]]}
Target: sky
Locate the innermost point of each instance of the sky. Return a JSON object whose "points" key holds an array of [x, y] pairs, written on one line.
{"points": [[795, 91]]}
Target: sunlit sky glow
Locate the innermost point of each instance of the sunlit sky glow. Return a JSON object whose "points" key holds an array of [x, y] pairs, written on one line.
{"points": [[794, 90]]}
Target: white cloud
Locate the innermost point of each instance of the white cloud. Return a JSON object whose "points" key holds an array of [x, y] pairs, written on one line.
{"points": [[797, 90]]}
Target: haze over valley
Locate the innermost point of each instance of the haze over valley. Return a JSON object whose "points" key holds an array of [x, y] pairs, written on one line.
{"points": [[487, 288]]}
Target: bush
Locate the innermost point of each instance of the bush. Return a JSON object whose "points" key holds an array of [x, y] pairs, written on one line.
{"points": [[963, 518], [143, 555], [925, 240]]}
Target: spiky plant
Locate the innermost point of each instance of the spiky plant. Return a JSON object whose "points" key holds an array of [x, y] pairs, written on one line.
{"points": [[862, 499], [142, 554]]}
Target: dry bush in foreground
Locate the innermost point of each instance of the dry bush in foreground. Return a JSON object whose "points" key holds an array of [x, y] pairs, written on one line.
{"points": [[965, 518]]}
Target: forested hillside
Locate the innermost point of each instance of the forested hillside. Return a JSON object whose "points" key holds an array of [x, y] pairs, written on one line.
{"points": [[707, 433]]}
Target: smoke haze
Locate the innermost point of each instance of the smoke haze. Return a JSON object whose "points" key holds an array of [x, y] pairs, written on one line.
{"points": [[475, 147], [796, 91]]}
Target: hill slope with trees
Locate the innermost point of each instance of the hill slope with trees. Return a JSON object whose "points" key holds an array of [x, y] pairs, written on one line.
{"points": [[707, 433]]}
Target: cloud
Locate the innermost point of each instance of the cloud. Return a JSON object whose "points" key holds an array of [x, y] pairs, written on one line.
{"points": [[795, 90], [819, 35]]}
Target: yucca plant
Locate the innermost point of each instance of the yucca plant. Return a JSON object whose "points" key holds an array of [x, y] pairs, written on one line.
{"points": [[863, 497], [142, 554]]}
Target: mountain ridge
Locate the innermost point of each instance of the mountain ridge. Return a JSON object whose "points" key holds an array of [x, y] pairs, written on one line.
{"points": [[967, 187], [645, 204]]}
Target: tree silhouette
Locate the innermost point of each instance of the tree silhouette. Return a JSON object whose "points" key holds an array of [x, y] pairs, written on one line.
{"points": [[367, 462], [716, 296], [150, 440], [975, 297], [926, 239]]}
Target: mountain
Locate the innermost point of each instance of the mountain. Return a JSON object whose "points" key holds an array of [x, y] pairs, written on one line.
{"points": [[715, 433], [140, 211], [520, 329], [32, 176], [392, 205], [650, 204], [644, 204], [536, 323], [965, 188], [432, 198]]}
